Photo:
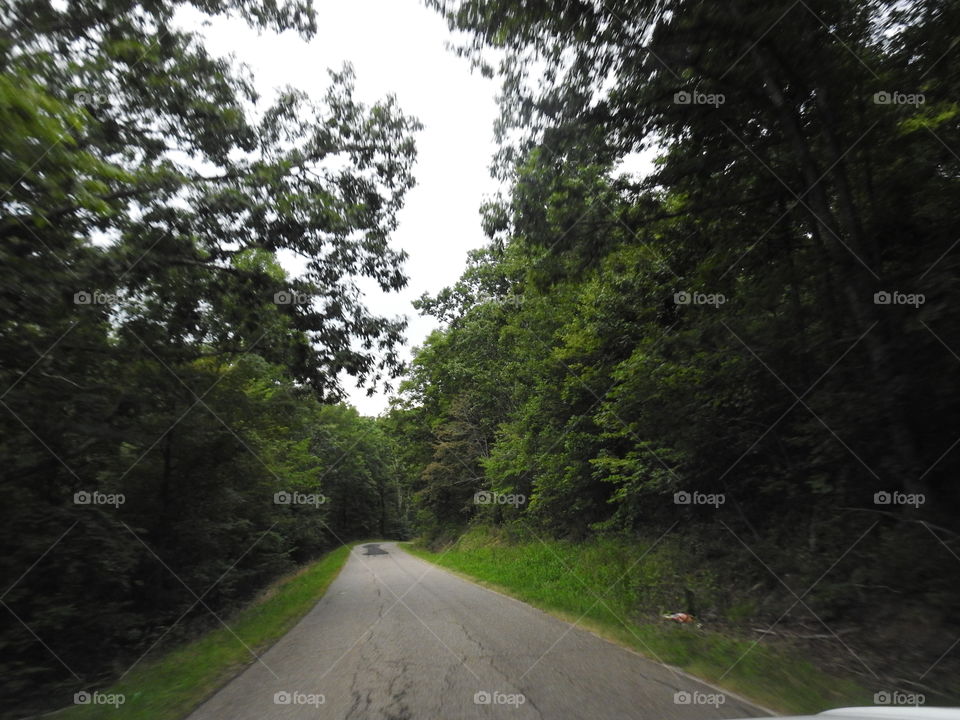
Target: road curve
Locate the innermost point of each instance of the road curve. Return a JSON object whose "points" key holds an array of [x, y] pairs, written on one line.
{"points": [[396, 638]]}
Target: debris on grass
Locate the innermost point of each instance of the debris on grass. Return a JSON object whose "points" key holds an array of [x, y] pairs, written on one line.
{"points": [[682, 617]]}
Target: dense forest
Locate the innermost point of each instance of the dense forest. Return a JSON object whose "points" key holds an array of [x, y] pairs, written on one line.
{"points": [[753, 348], [170, 434]]}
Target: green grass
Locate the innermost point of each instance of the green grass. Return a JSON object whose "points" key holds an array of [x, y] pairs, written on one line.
{"points": [[171, 686], [565, 579]]}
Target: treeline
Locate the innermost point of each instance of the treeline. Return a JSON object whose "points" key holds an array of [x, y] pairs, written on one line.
{"points": [[170, 438], [753, 348]]}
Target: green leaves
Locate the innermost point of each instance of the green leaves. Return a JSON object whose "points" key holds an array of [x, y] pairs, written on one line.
{"points": [[724, 324], [154, 346]]}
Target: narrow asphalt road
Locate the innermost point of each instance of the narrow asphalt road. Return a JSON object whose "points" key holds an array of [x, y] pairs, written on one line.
{"points": [[396, 638]]}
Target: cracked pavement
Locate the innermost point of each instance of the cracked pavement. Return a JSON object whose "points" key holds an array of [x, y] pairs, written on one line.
{"points": [[397, 638]]}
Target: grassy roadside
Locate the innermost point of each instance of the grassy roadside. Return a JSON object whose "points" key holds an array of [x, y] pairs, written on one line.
{"points": [[545, 575], [171, 686]]}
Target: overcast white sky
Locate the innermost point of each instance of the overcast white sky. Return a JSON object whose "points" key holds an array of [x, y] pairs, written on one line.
{"points": [[396, 46]]}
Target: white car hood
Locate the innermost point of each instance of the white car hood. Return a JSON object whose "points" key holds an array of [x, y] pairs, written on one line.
{"points": [[899, 712]]}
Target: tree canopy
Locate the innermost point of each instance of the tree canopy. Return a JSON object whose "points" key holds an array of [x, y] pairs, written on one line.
{"points": [[165, 447], [765, 317]]}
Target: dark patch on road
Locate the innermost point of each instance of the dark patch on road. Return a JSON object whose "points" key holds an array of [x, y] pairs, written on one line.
{"points": [[374, 549]]}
